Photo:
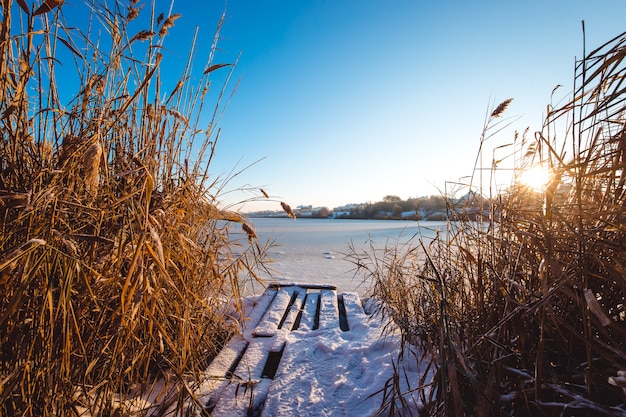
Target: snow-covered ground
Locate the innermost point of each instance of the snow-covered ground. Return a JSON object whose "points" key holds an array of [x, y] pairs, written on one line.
{"points": [[304, 350], [321, 366]]}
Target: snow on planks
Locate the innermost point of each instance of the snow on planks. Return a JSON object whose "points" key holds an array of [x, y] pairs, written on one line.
{"points": [[306, 350]]}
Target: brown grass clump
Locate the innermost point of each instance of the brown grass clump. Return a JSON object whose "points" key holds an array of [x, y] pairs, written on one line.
{"points": [[521, 305], [117, 266]]}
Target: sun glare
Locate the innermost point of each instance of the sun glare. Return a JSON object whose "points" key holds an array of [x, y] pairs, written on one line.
{"points": [[535, 177]]}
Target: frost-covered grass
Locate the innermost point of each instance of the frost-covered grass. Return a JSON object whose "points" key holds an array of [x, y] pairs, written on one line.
{"points": [[523, 311]]}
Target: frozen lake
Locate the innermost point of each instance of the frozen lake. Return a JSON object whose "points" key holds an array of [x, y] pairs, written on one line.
{"points": [[314, 250]]}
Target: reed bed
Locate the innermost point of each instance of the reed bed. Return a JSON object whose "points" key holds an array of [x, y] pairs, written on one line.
{"points": [[520, 306], [117, 262]]}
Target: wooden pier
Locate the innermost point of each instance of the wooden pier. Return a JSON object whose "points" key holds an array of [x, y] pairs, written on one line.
{"points": [[292, 334]]}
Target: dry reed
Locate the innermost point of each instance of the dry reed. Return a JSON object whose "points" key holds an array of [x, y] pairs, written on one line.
{"points": [[521, 304], [117, 266]]}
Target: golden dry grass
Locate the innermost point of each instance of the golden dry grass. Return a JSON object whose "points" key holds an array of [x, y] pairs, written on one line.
{"points": [[117, 264], [521, 307]]}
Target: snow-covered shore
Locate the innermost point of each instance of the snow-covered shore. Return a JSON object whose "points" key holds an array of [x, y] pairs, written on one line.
{"points": [[300, 358], [303, 350]]}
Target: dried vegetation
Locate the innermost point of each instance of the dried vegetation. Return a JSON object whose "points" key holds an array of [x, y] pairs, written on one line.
{"points": [[116, 260], [523, 311]]}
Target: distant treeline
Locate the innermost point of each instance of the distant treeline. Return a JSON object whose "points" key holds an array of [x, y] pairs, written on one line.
{"points": [[393, 207]]}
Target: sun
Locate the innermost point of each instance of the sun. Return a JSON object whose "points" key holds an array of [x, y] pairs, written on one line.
{"points": [[535, 177]]}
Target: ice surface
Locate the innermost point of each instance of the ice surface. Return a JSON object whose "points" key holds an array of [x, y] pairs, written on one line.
{"points": [[314, 250]]}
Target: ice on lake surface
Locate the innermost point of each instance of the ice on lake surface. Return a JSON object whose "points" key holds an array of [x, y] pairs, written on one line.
{"points": [[314, 250]]}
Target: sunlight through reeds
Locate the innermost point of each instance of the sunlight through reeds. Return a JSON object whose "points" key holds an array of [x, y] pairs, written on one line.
{"points": [[520, 306]]}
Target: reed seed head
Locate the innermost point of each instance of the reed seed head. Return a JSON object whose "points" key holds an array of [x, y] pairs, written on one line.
{"points": [[501, 107], [169, 22], [287, 208], [133, 12], [249, 231], [91, 164]]}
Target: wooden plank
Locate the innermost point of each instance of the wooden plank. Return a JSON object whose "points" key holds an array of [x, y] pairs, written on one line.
{"points": [[260, 309], [290, 317], [278, 285], [251, 365], [242, 399], [309, 311], [268, 325], [328, 310], [248, 388], [354, 311], [226, 358]]}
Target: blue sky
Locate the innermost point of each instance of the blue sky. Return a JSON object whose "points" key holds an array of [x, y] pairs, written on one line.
{"points": [[346, 101]]}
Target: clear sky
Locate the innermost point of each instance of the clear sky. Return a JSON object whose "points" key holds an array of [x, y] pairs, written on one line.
{"points": [[346, 101]]}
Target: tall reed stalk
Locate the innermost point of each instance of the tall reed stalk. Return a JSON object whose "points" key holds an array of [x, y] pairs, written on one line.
{"points": [[117, 263], [521, 305]]}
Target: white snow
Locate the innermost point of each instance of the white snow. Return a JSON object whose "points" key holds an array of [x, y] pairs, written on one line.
{"points": [[292, 360], [322, 372]]}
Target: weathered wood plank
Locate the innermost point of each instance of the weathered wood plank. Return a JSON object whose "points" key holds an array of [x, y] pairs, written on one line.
{"points": [[259, 310], [242, 399], [309, 311], [328, 310], [247, 389], [354, 311], [290, 317], [268, 325]]}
